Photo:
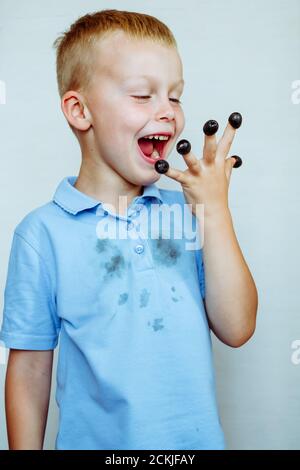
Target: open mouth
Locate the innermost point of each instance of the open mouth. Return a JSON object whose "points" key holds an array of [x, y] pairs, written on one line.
{"points": [[153, 149]]}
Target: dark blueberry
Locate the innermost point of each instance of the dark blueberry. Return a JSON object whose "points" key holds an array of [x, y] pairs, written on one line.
{"points": [[238, 161], [161, 166], [235, 120], [210, 127], [183, 147]]}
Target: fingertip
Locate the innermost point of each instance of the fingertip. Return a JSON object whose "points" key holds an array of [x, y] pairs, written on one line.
{"points": [[183, 147], [210, 127], [238, 161], [161, 166], [235, 119]]}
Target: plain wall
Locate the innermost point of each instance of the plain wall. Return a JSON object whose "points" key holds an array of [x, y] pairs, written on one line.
{"points": [[237, 56]]}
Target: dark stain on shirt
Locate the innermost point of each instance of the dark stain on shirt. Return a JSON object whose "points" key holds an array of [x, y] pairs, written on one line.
{"points": [[123, 298], [157, 324], [113, 260], [175, 299], [114, 266], [144, 298], [102, 245], [166, 251]]}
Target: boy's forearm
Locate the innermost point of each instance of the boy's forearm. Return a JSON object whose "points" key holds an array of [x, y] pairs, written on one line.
{"points": [[27, 393], [230, 291]]}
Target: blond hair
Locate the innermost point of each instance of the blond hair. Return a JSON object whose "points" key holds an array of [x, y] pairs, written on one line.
{"points": [[75, 47]]}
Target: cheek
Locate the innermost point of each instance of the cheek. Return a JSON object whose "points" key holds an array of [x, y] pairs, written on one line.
{"points": [[180, 120], [137, 113], [133, 119]]}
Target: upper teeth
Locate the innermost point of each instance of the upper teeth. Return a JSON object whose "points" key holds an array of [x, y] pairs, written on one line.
{"points": [[157, 137]]}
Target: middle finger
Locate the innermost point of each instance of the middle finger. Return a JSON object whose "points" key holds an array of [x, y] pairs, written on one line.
{"points": [[210, 129]]}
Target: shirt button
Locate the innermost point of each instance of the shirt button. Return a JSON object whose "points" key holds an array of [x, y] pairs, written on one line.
{"points": [[135, 211], [101, 212], [139, 249]]}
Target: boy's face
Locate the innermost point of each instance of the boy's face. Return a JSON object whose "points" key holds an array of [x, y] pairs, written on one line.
{"points": [[119, 118]]}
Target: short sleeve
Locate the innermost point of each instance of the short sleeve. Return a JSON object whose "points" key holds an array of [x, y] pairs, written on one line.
{"points": [[200, 269], [29, 316]]}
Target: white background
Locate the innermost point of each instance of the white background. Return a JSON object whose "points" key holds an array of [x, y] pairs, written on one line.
{"points": [[237, 56]]}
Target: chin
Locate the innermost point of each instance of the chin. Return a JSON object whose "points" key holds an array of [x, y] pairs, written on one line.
{"points": [[144, 179], [152, 180]]}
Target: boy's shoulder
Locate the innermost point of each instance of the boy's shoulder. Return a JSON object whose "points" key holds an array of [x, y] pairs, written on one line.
{"points": [[31, 225]]}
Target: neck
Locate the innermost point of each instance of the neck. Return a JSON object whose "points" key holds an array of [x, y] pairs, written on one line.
{"points": [[94, 181]]}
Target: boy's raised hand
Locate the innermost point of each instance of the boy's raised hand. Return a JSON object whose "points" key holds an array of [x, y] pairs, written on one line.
{"points": [[206, 181]]}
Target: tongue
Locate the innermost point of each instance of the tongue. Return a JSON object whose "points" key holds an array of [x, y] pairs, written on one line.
{"points": [[146, 146]]}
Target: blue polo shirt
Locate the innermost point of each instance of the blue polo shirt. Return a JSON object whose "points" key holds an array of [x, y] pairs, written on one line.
{"points": [[135, 366]]}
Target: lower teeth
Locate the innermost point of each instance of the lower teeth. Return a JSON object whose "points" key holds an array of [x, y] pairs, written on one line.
{"points": [[155, 155]]}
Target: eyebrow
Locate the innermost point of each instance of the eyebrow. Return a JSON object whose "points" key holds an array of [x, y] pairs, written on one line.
{"points": [[152, 79]]}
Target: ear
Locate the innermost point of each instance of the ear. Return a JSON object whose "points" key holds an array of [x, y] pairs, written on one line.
{"points": [[76, 111]]}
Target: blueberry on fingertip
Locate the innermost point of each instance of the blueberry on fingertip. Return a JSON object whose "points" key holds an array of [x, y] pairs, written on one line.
{"points": [[161, 166], [235, 120], [183, 147], [210, 127], [238, 161]]}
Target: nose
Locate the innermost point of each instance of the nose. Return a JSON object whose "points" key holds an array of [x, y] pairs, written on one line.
{"points": [[166, 111]]}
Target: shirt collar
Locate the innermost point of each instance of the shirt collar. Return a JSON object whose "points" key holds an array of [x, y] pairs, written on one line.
{"points": [[73, 201]]}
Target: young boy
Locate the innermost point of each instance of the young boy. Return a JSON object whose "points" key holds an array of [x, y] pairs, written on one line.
{"points": [[133, 314]]}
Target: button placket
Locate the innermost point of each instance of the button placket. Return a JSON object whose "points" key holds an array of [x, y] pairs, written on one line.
{"points": [[135, 210], [133, 214], [130, 225], [139, 249]]}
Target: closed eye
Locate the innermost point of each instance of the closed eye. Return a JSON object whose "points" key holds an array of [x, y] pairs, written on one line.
{"points": [[146, 97]]}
